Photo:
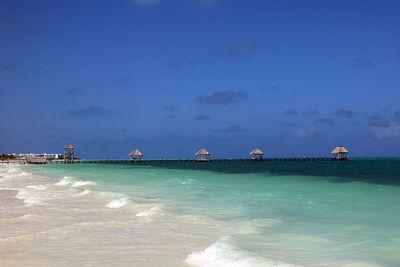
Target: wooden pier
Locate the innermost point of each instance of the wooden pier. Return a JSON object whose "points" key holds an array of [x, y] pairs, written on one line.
{"points": [[152, 161]]}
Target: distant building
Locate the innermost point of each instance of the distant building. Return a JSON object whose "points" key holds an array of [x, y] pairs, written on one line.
{"points": [[33, 155]]}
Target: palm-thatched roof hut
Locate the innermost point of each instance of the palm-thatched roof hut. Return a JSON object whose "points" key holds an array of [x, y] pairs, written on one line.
{"points": [[202, 155], [68, 153], [135, 155], [340, 153], [69, 146], [257, 154]]}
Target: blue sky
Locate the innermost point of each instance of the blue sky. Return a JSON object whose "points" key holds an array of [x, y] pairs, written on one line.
{"points": [[171, 76]]}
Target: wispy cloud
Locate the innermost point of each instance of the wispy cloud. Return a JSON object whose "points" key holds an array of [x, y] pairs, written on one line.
{"points": [[171, 117], [174, 64], [8, 66], [390, 131], [377, 121], [223, 98], [384, 128], [313, 112], [291, 112], [90, 112], [184, 62], [271, 88], [362, 62], [344, 113], [231, 129], [287, 124], [295, 112], [75, 90], [192, 62], [148, 3], [328, 121], [240, 47], [201, 117], [120, 79], [170, 108], [396, 115], [302, 133]]}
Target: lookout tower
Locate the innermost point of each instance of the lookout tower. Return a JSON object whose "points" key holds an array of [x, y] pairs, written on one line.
{"points": [[68, 153]]}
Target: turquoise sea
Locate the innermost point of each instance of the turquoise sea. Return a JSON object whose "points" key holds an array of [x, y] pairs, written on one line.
{"points": [[321, 213]]}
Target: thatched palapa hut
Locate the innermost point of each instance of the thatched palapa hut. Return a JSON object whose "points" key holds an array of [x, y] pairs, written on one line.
{"points": [[135, 155], [340, 153], [69, 153], [257, 154], [202, 155]]}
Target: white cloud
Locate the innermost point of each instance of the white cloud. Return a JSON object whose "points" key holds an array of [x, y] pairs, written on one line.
{"points": [[304, 132], [393, 130]]}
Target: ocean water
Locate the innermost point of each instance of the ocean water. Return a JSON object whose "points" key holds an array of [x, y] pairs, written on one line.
{"points": [[201, 214]]}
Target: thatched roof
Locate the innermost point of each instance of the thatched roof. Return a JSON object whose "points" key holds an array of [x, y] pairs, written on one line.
{"points": [[135, 153], [339, 149], [256, 151], [69, 146], [202, 152]]}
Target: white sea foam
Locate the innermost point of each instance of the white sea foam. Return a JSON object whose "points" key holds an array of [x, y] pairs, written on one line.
{"points": [[361, 264], [85, 192], [40, 194], [37, 187], [117, 203], [221, 254], [82, 183], [13, 170], [29, 216], [27, 197], [64, 181], [188, 181], [153, 211]]}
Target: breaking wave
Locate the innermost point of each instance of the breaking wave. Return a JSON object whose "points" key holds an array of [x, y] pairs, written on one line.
{"points": [[221, 254], [117, 203]]}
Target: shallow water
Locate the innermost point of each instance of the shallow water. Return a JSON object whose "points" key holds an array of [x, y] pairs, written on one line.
{"points": [[202, 214]]}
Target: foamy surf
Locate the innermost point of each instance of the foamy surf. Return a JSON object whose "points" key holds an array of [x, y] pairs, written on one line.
{"points": [[37, 187], [85, 192], [64, 181], [41, 194], [13, 170], [117, 203], [153, 211], [82, 183], [221, 254]]}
